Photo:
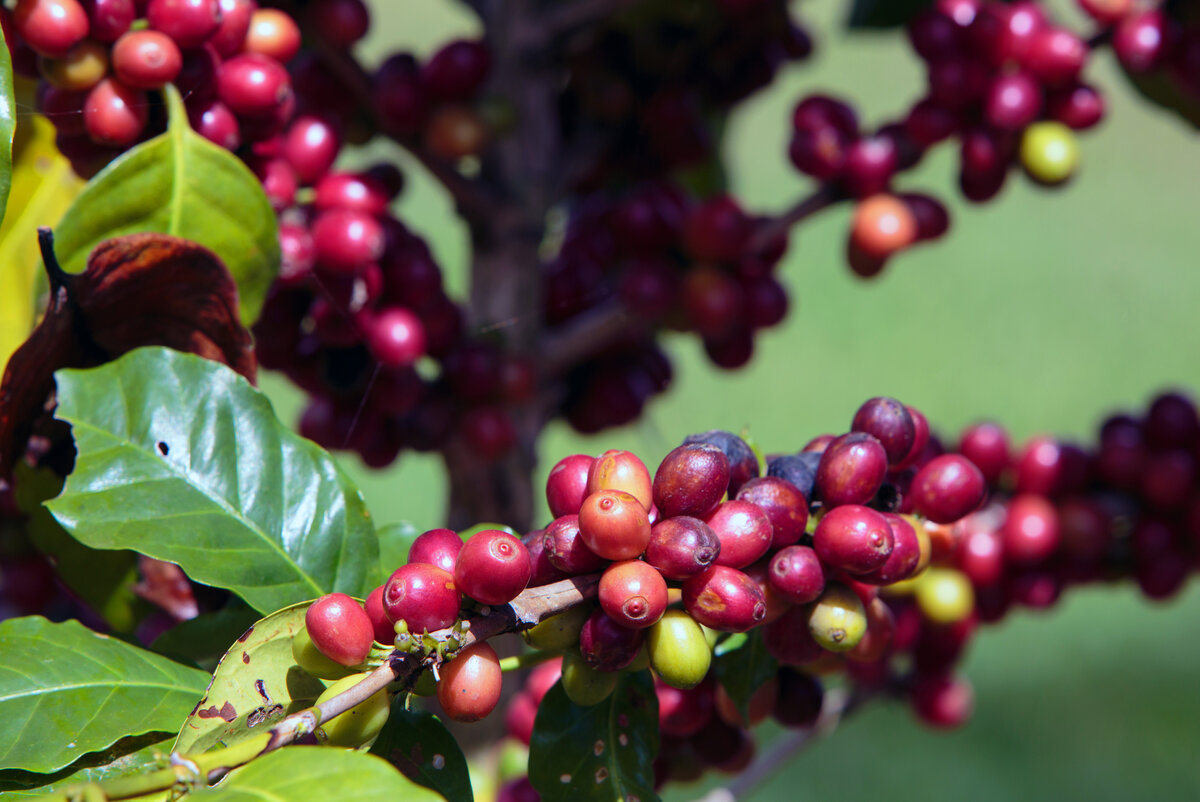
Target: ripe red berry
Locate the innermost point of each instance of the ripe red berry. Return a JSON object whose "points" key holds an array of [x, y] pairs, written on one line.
{"points": [[146, 59], [470, 683], [359, 191], [396, 337], [215, 122], [882, 225], [986, 445], [115, 114], [614, 525], [633, 594], [437, 547], [423, 596], [457, 70], [493, 567], [744, 531], [947, 488], [190, 23], [797, 573], [566, 486], [341, 23], [851, 470], [346, 240], [110, 18], [691, 480], [51, 27], [385, 631], [724, 599], [1030, 531], [716, 230], [311, 145], [273, 33], [682, 547], [888, 421], [854, 538], [340, 628], [235, 21], [254, 86], [784, 504], [566, 549]]}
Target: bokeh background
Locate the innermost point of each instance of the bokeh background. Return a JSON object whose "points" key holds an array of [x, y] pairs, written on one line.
{"points": [[1045, 310]]}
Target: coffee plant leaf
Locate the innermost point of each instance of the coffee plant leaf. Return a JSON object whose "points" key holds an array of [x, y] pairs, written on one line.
{"points": [[744, 670], [66, 691], [179, 458], [884, 13], [204, 639], [8, 123], [135, 755], [181, 184], [601, 753], [305, 773], [395, 540], [419, 745], [256, 684]]}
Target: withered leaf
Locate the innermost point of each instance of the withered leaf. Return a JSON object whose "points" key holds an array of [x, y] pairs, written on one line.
{"points": [[137, 290]]}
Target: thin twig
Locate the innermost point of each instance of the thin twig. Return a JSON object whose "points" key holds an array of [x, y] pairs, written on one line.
{"points": [[586, 334], [825, 196]]}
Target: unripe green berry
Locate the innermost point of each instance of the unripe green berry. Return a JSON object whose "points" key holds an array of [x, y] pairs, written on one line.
{"points": [[584, 685], [679, 652], [360, 723], [837, 620], [1049, 152], [558, 633], [945, 595]]}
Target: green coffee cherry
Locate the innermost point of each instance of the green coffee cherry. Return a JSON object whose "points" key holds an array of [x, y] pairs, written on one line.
{"points": [[641, 661], [359, 724], [559, 633], [837, 620], [679, 650], [309, 657], [1049, 152], [584, 685], [945, 595]]}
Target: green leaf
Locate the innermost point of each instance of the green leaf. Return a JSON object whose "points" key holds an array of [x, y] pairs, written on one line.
{"points": [[8, 124], [181, 459], [305, 773], [884, 13], [102, 579], [394, 542], [256, 684], [179, 183], [743, 670], [205, 639], [420, 746], [66, 691], [602, 753], [127, 756]]}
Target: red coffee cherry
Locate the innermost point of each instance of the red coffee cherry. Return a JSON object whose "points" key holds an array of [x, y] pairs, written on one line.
{"points": [[423, 596], [273, 33], [110, 18], [493, 567], [383, 627], [346, 241], [606, 645], [905, 558], [691, 480], [614, 525], [784, 504], [633, 594], [566, 486], [851, 470], [437, 547], [470, 683], [1030, 532], [888, 421], [311, 145], [788, 639], [947, 488], [146, 59], [235, 22], [620, 470], [341, 23], [115, 114], [942, 701], [744, 531], [191, 23], [340, 628], [457, 70], [854, 538], [396, 337], [796, 573], [682, 547], [882, 225], [566, 548], [986, 445], [51, 27], [254, 86], [724, 599], [360, 191]]}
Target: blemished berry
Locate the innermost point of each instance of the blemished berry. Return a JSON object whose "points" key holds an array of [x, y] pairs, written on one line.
{"points": [[947, 488], [115, 114], [493, 567], [436, 547], [424, 597], [614, 525], [837, 620], [566, 486], [340, 628], [784, 505], [882, 225], [679, 652], [566, 548], [51, 27], [606, 645], [633, 593], [621, 470], [584, 685], [690, 480], [396, 337], [797, 573], [360, 723], [254, 86], [851, 470], [1049, 152], [724, 599], [682, 547], [190, 23], [854, 538], [470, 683], [744, 531], [146, 59]]}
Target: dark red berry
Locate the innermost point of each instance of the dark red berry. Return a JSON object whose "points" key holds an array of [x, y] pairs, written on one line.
{"points": [[457, 70], [947, 488], [784, 504], [854, 538], [566, 549], [797, 574], [682, 546], [436, 547], [888, 421], [190, 23], [691, 480], [744, 531], [724, 599], [606, 645], [851, 470], [254, 86]]}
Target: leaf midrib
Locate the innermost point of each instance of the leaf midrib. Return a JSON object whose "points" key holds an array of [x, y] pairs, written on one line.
{"points": [[116, 683]]}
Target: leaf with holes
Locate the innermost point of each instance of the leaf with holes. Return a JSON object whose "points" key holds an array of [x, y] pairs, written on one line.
{"points": [[181, 459], [305, 773], [179, 183], [256, 684], [66, 691], [744, 670], [420, 746], [602, 753]]}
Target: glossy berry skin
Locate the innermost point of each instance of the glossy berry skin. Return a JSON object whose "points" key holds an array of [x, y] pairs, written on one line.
{"points": [[724, 599], [691, 480], [340, 628], [542, 571], [146, 59], [682, 547], [385, 631], [358, 191], [614, 525], [360, 723], [436, 547], [945, 595], [888, 421], [566, 486], [947, 488], [253, 85], [621, 470], [584, 685], [744, 531], [346, 241], [797, 574], [905, 558], [457, 70], [986, 446], [470, 683], [1013, 102], [311, 145], [679, 652], [235, 22], [1030, 532], [854, 538], [785, 507], [798, 470], [743, 462], [1049, 152], [189, 22], [424, 597], [51, 27], [493, 567], [396, 337], [606, 645], [115, 114], [882, 225], [567, 550], [633, 594], [110, 18], [851, 470], [273, 33], [838, 620]]}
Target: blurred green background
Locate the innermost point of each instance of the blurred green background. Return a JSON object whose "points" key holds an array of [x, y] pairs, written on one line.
{"points": [[1043, 309]]}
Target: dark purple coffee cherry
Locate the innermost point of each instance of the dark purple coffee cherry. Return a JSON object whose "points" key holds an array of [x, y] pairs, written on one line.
{"points": [[682, 547], [743, 463], [691, 480], [888, 421], [567, 550], [851, 470], [606, 645]]}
